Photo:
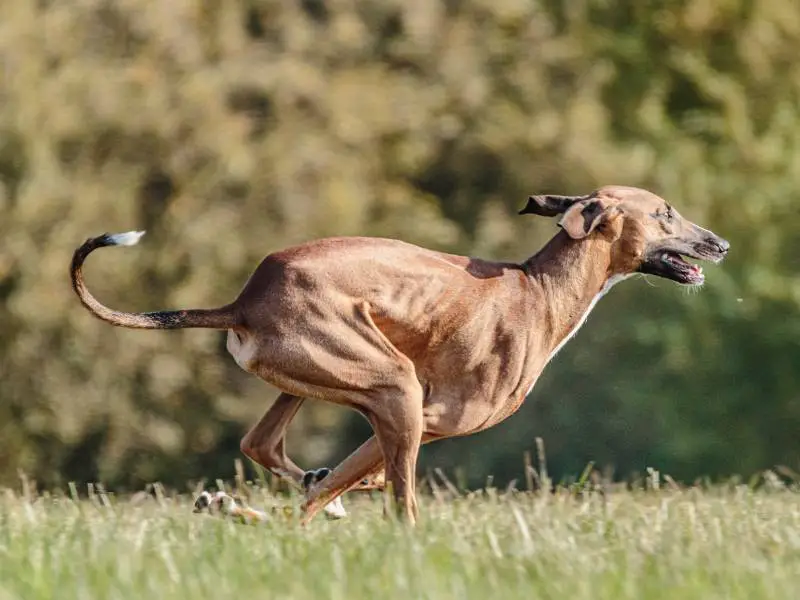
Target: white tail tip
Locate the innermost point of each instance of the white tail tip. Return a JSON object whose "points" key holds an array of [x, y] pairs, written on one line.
{"points": [[129, 238]]}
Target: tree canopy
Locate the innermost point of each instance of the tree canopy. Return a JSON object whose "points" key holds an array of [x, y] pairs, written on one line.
{"points": [[230, 130]]}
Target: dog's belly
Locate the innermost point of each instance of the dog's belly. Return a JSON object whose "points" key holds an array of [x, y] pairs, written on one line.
{"points": [[465, 409]]}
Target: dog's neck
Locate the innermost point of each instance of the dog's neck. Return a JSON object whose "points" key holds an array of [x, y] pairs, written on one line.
{"points": [[569, 277]]}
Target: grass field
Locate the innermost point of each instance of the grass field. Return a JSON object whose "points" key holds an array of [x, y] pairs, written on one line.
{"points": [[722, 542]]}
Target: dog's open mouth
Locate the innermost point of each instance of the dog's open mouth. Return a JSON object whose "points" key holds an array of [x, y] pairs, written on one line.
{"points": [[671, 265]]}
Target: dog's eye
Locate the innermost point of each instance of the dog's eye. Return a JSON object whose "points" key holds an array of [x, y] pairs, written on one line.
{"points": [[667, 215]]}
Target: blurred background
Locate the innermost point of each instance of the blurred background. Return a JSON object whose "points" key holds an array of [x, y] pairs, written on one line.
{"points": [[230, 129]]}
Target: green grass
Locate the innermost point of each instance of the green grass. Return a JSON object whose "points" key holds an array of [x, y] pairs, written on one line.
{"points": [[724, 542]]}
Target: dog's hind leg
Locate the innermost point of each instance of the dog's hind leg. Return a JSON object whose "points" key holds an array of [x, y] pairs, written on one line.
{"points": [[265, 443]]}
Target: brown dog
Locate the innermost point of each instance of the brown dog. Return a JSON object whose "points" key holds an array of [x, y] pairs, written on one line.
{"points": [[425, 345]]}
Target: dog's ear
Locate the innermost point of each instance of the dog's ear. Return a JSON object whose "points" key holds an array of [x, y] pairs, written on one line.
{"points": [[583, 217], [548, 205]]}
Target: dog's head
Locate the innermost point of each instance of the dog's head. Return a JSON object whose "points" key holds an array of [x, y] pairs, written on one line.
{"points": [[646, 234]]}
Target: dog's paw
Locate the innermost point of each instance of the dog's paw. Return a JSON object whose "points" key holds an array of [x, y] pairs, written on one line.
{"points": [[222, 504], [314, 476], [202, 503], [215, 503], [335, 508]]}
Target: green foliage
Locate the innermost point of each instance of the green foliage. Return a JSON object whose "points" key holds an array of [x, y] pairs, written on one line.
{"points": [[229, 130]]}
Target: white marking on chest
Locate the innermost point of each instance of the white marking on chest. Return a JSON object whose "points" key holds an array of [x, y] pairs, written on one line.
{"points": [[612, 281]]}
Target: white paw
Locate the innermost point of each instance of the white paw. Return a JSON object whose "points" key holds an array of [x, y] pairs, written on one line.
{"points": [[335, 509], [218, 502], [222, 504]]}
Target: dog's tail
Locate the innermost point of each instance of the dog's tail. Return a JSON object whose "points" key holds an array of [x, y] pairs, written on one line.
{"points": [[217, 318]]}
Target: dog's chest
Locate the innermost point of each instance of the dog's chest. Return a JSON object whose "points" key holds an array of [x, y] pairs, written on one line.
{"points": [[585, 315]]}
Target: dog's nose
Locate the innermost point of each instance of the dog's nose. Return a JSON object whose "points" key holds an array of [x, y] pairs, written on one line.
{"points": [[720, 244]]}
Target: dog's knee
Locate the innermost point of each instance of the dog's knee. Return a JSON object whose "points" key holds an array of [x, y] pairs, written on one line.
{"points": [[253, 452], [267, 456], [246, 447]]}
